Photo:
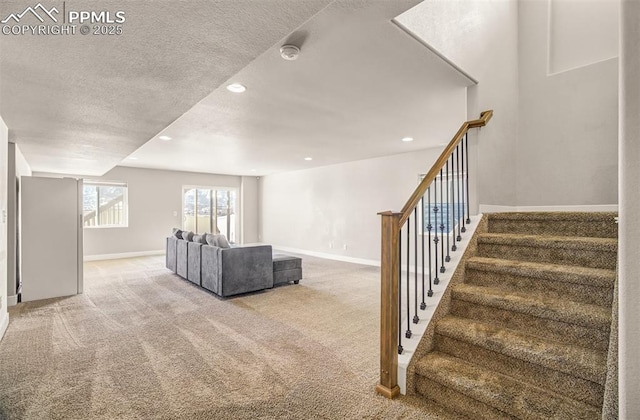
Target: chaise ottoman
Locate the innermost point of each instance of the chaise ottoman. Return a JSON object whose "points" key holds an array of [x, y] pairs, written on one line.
{"points": [[286, 268]]}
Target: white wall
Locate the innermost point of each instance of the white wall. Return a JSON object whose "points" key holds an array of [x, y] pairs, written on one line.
{"points": [[568, 131], [582, 32], [154, 197], [4, 140], [18, 167], [629, 232], [338, 204], [249, 209], [481, 38]]}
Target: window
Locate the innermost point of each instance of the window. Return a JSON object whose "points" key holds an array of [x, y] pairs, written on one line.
{"points": [[209, 210], [450, 208], [104, 204]]}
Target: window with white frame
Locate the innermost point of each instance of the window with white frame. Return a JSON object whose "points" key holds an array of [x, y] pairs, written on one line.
{"points": [[104, 204], [210, 210]]}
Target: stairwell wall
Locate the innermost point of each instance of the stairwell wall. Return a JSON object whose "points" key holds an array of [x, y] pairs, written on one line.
{"points": [[566, 150], [481, 38], [629, 242]]}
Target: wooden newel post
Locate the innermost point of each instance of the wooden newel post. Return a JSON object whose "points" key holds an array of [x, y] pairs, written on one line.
{"points": [[389, 261]]}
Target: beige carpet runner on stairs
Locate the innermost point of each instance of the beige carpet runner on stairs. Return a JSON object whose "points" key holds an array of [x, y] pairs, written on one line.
{"points": [[527, 331]]}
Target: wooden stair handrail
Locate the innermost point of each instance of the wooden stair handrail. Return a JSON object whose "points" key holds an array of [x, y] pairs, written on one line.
{"points": [[390, 264], [444, 156]]}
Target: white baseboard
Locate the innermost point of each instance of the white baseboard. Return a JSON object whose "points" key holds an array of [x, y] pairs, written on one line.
{"points": [[4, 323], [101, 257], [327, 256], [12, 300], [489, 208]]}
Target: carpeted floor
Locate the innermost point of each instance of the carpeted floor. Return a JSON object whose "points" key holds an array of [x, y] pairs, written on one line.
{"points": [[141, 343]]}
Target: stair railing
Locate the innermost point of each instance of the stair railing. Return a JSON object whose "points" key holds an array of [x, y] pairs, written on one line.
{"points": [[444, 189], [110, 213]]}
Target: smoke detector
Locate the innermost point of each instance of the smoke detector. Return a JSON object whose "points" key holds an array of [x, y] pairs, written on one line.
{"points": [[289, 52]]}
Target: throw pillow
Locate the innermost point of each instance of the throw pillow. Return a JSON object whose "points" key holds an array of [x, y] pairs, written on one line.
{"points": [[187, 236], [177, 233], [212, 239], [222, 242]]}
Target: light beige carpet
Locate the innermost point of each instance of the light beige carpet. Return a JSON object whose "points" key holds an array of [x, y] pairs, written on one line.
{"points": [[141, 343]]}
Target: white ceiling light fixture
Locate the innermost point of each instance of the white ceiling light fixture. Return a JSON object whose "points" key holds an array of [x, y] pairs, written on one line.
{"points": [[407, 139], [132, 158], [308, 158], [165, 138], [289, 52], [236, 88]]}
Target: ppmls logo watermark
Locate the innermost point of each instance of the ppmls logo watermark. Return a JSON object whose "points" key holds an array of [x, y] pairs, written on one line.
{"points": [[41, 20]]}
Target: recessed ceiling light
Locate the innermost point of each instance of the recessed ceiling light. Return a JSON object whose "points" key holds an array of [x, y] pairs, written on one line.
{"points": [[132, 158], [407, 139], [308, 158], [236, 88], [253, 170], [165, 138]]}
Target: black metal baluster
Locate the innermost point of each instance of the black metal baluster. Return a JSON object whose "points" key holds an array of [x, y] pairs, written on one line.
{"points": [[454, 247], [448, 211], [400, 349], [459, 182], [442, 269], [423, 305], [436, 280], [408, 333], [463, 229], [429, 227], [415, 265], [466, 141]]}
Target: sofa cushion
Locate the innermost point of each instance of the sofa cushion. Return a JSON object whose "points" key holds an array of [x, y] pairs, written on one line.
{"points": [[194, 257], [283, 262], [187, 236], [172, 242]]}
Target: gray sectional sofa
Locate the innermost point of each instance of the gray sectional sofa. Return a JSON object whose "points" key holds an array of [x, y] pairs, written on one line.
{"points": [[228, 271]]}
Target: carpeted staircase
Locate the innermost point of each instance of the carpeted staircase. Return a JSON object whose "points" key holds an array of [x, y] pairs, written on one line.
{"points": [[527, 331]]}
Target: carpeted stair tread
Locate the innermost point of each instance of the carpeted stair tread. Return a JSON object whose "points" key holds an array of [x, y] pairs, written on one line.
{"points": [[585, 224], [578, 251], [536, 304], [508, 395], [578, 361], [456, 402], [546, 241], [566, 384], [600, 277]]}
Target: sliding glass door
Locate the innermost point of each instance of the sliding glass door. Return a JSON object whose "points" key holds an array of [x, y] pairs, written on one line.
{"points": [[209, 210]]}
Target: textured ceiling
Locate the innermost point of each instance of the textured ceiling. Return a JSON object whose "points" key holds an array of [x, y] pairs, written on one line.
{"points": [[80, 104], [359, 85]]}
